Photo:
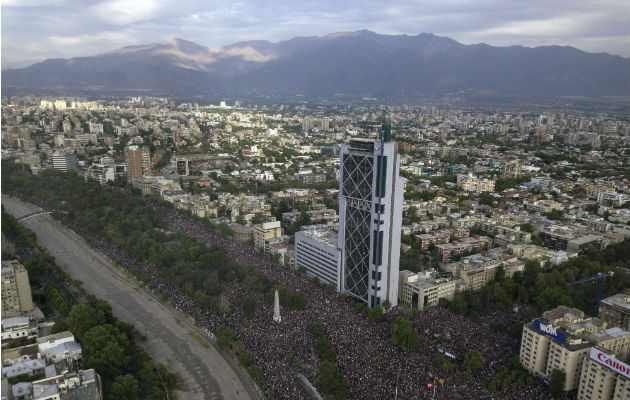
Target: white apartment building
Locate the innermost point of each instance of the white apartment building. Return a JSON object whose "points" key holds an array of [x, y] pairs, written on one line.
{"points": [[562, 338], [604, 377], [266, 231], [96, 128], [544, 206], [48, 342], [18, 327], [612, 198], [472, 183], [86, 138], [424, 289], [316, 250], [102, 173], [64, 161]]}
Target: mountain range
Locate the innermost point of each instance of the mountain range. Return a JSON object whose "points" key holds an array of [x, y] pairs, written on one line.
{"points": [[362, 63]]}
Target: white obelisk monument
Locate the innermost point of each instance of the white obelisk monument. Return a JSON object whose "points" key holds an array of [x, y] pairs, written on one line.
{"points": [[276, 308]]}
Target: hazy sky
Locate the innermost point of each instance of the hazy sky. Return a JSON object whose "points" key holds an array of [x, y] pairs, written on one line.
{"points": [[33, 30]]}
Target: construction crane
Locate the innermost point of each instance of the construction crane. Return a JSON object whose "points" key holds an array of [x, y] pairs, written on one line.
{"points": [[599, 276]]}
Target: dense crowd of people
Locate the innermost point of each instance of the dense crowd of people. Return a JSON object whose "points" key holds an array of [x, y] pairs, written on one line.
{"points": [[374, 367]]}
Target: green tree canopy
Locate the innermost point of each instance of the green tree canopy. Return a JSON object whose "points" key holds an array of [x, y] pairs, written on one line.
{"points": [[473, 360], [255, 372], [249, 306], [124, 388], [324, 349], [403, 334], [376, 314], [443, 364], [317, 331], [527, 227], [85, 316], [106, 349], [556, 383], [225, 336], [332, 381], [258, 218], [246, 359]]}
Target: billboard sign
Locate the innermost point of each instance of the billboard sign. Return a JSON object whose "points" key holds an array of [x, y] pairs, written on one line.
{"points": [[610, 362], [550, 331]]}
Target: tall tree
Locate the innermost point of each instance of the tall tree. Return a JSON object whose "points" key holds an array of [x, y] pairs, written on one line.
{"points": [[124, 388], [556, 383], [403, 334], [473, 360], [106, 350]]}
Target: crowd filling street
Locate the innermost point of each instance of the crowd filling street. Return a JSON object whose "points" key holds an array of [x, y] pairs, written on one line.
{"points": [[374, 367]]}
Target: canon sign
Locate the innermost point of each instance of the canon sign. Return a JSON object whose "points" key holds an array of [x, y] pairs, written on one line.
{"points": [[610, 362]]}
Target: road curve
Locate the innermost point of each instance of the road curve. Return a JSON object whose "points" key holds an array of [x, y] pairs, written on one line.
{"points": [[170, 339]]}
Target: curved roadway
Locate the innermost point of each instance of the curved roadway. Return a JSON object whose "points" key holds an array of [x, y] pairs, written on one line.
{"points": [[171, 339]]}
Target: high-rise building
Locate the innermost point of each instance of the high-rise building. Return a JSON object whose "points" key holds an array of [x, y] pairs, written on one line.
{"points": [[316, 251], [424, 289], [16, 290], [603, 377], [266, 231], [183, 166], [307, 124], [64, 161], [96, 128], [370, 217], [59, 140], [138, 160], [102, 171], [562, 339], [59, 161], [616, 310], [108, 140], [511, 169], [67, 127]]}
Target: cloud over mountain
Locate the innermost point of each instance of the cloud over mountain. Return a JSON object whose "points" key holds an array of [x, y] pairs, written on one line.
{"points": [[361, 62]]}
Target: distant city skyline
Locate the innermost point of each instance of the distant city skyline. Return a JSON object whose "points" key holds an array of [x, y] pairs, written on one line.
{"points": [[35, 30]]}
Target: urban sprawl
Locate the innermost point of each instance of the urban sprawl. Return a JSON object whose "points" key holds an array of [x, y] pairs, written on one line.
{"points": [[423, 241]]}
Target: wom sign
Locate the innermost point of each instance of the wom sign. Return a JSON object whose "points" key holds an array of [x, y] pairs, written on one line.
{"points": [[549, 331], [610, 362]]}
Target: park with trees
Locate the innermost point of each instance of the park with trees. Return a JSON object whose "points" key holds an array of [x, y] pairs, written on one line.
{"points": [[109, 346]]}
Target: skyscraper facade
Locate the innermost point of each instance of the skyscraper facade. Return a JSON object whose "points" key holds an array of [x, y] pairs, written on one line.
{"points": [[370, 217], [16, 290], [138, 161]]}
